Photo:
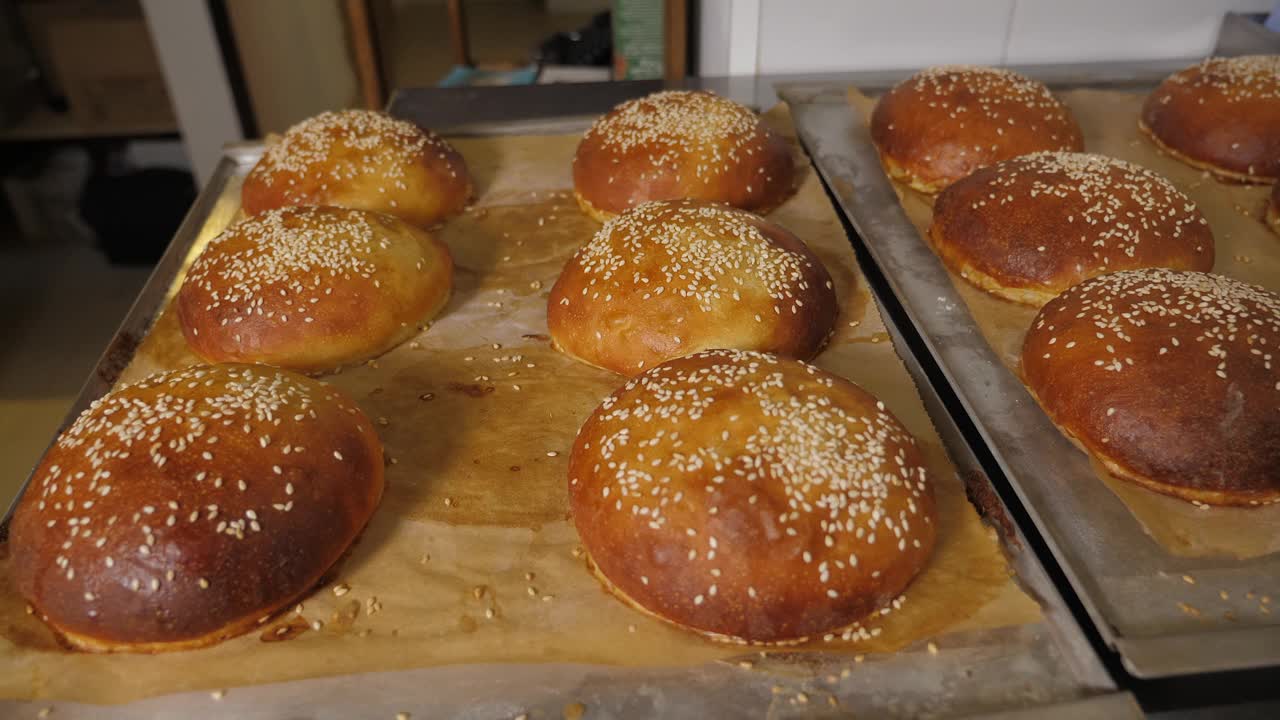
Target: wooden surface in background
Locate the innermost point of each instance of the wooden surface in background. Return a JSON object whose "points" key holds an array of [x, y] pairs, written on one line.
{"points": [[676, 32], [364, 52]]}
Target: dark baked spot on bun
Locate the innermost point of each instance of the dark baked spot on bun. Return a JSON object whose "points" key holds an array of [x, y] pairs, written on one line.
{"points": [[1028, 228], [944, 122], [1221, 115], [361, 159], [681, 144], [312, 288], [1171, 379], [751, 498], [670, 278], [178, 511]]}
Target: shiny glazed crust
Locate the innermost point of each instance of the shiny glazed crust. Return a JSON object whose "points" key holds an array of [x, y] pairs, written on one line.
{"points": [[670, 278], [681, 144], [1222, 115], [1027, 229], [361, 159], [177, 512], [312, 289], [944, 122], [750, 497], [1168, 378]]}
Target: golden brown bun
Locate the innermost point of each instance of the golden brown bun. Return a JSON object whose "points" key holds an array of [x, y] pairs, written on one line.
{"points": [[312, 288], [1026, 229], [361, 159], [670, 278], [1168, 378], [681, 144], [176, 512], [1222, 115], [944, 122], [752, 497], [1273, 209]]}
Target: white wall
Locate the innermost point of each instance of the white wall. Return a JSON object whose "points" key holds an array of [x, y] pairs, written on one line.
{"points": [[795, 36], [195, 78]]}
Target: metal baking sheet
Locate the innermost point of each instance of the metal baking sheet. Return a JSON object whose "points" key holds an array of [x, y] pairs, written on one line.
{"points": [[1125, 580], [1045, 669]]}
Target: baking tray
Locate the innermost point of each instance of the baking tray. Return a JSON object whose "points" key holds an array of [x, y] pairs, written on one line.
{"points": [[1124, 579], [1045, 669]]}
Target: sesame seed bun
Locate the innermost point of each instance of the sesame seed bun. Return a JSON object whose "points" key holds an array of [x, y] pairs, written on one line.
{"points": [[1028, 228], [750, 497], [1168, 379], [943, 123], [670, 278], [1222, 115], [177, 512], [361, 159], [312, 288], [681, 144]]}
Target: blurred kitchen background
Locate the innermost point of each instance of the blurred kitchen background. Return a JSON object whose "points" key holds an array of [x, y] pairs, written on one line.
{"points": [[114, 112]]}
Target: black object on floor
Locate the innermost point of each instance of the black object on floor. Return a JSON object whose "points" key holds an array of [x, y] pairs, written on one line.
{"points": [[589, 46], [135, 213]]}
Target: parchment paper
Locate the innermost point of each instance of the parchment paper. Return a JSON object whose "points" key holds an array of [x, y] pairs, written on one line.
{"points": [[471, 557], [1245, 249]]}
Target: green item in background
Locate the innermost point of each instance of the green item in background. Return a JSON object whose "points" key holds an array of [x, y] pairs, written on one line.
{"points": [[638, 39]]}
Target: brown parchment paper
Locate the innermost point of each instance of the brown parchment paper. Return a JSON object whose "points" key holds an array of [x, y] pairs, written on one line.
{"points": [[1245, 249], [471, 557]]}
